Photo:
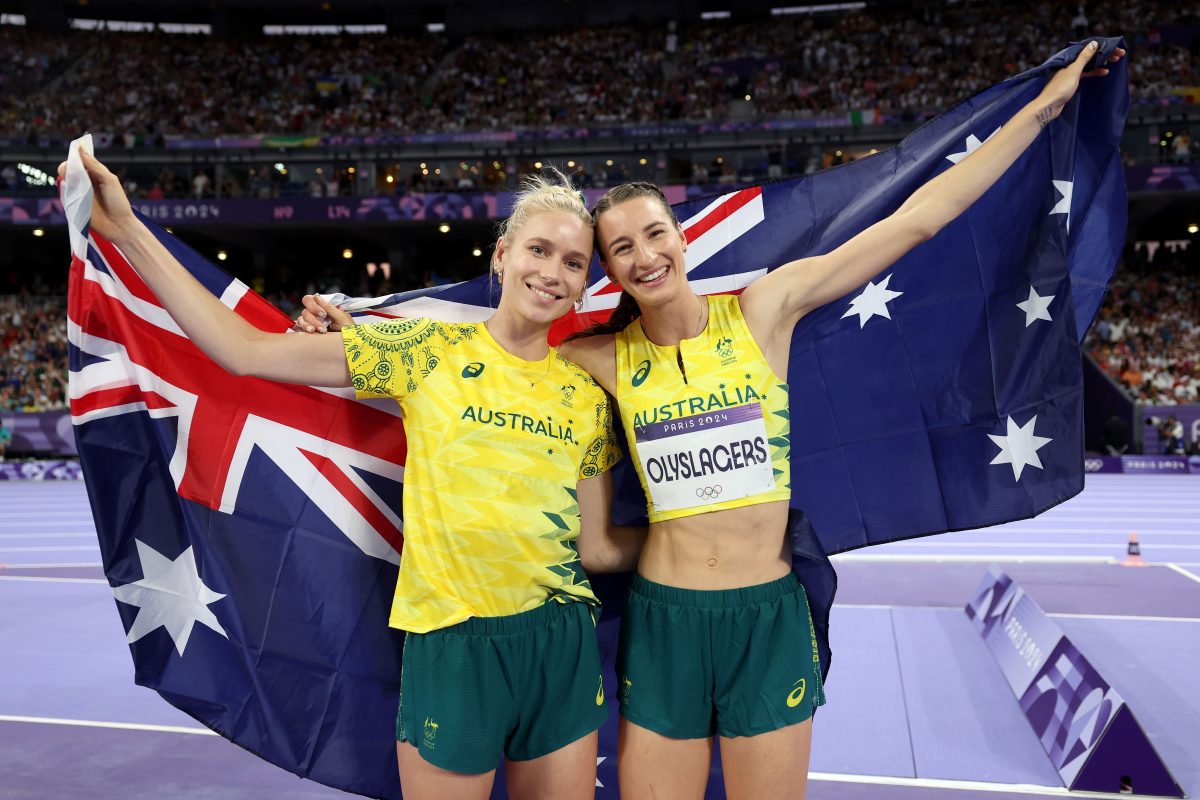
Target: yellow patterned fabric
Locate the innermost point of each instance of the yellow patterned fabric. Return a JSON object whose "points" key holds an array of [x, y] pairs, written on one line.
{"points": [[496, 447], [707, 420]]}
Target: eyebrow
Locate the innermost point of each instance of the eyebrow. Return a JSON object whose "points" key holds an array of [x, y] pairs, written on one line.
{"points": [[571, 254], [647, 229]]}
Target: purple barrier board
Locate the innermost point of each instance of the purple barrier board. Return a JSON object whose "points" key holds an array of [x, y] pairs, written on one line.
{"points": [[417, 207], [46, 432], [1084, 725], [1143, 465], [40, 471]]}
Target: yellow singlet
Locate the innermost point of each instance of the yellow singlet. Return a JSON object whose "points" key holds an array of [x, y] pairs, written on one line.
{"points": [[496, 446], [707, 420]]}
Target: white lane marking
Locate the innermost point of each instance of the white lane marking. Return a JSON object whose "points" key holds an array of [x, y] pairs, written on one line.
{"points": [[46, 535], [1124, 617], [980, 558], [31, 578], [60, 548], [75, 565], [1108, 521], [1178, 568], [1058, 614], [966, 786], [90, 723], [1101, 546], [1012, 529]]}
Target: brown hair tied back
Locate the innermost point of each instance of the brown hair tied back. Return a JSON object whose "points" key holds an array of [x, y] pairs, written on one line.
{"points": [[627, 309]]}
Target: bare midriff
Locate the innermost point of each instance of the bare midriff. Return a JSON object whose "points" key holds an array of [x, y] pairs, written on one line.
{"points": [[725, 549]]}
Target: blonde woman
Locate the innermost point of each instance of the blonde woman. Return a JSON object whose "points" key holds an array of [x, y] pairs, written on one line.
{"points": [[506, 497]]}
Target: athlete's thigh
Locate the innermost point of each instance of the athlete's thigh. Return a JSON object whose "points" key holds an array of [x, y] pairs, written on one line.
{"points": [[568, 773], [651, 765], [769, 766], [420, 780]]}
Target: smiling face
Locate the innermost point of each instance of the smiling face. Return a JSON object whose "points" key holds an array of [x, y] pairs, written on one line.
{"points": [[641, 248], [544, 266]]}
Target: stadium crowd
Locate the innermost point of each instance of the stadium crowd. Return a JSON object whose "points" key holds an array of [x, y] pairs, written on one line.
{"points": [[904, 64], [1147, 333], [33, 354]]}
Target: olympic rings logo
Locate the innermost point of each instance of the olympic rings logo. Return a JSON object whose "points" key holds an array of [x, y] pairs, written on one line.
{"points": [[1092, 465], [710, 492]]}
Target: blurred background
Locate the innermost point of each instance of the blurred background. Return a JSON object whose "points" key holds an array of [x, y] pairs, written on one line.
{"points": [[367, 147]]}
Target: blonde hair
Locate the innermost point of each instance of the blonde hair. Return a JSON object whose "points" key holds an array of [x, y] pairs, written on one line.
{"points": [[540, 193]]}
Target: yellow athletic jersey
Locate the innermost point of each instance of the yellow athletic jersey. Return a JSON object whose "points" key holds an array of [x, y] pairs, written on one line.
{"points": [[496, 447], [707, 420]]}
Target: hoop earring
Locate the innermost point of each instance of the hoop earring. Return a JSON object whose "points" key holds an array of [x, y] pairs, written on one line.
{"points": [[579, 303], [500, 276]]}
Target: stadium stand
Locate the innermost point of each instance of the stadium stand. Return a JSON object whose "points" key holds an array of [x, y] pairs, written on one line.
{"points": [[1147, 334], [896, 63]]}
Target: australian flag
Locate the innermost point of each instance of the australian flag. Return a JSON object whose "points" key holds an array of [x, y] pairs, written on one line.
{"points": [[250, 530]]}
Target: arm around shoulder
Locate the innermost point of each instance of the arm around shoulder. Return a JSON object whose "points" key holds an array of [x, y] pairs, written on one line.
{"points": [[598, 357]]}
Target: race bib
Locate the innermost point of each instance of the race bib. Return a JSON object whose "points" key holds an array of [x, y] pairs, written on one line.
{"points": [[706, 458]]}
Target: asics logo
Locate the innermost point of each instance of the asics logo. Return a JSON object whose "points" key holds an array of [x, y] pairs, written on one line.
{"points": [[797, 694], [711, 492], [643, 370], [472, 370]]}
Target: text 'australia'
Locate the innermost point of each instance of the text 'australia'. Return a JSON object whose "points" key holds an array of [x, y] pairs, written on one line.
{"points": [[519, 422], [696, 405]]}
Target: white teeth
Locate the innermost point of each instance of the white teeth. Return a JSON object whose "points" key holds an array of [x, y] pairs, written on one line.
{"points": [[541, 293], [653, 276]]}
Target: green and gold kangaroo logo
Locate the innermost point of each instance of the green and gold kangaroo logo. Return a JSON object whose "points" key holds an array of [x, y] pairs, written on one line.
{"points": [[431, 732], [725, 351]]}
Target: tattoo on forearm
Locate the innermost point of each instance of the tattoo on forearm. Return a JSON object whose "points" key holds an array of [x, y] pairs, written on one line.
{"points": [[1045, 115]]}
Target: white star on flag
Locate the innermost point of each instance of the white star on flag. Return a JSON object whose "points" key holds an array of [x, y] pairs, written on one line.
{"points": [[1019, 447], [599, 761], [973, 144], [872, 301], [169, 595], [1036, 307], [1065, 188]]}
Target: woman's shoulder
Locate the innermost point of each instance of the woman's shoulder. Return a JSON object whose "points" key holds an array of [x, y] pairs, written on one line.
{"points": [[593, 356]]}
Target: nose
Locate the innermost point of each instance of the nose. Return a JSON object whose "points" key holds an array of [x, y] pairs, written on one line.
{"points": [[644, 253]]}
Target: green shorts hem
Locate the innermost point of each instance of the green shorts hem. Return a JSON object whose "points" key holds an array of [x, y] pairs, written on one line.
{"points": [[457, 767], [657, 727], [568, 739], [758, 730]]}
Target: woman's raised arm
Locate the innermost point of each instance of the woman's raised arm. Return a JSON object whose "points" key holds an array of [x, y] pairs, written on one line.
{"points": [[778, 300], [231, 341]]}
